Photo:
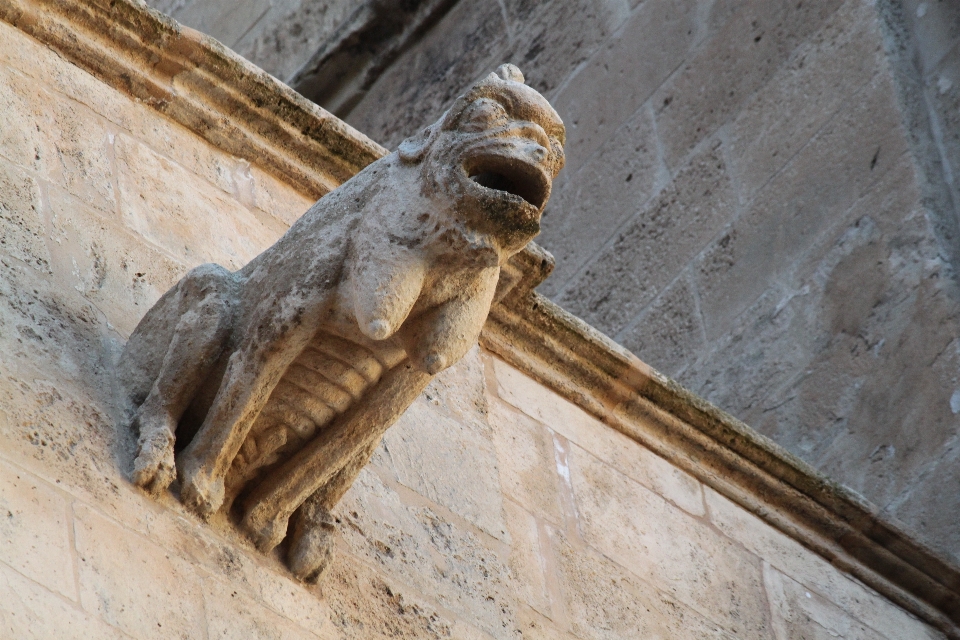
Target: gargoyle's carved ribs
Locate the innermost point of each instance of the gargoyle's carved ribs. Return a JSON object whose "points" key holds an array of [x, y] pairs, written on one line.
{"points": [[323, 382]]}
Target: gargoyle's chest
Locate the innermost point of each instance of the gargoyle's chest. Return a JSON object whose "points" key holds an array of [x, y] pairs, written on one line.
{"points": [[328, 377]]}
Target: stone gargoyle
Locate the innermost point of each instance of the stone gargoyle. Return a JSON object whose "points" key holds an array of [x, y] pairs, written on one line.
{"points": [[265, 391]]}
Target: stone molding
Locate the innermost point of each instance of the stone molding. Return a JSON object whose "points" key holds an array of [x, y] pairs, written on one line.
{"points": [[209, 90]]}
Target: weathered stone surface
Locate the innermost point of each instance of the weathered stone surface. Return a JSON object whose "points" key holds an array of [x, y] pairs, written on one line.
{"points": [[675, 553], [365, 606], [548, 49], [34, 531], [231, 615], [591, 435], [21, 222], [417, 546], [168, 206], [805, 93], [30, 612], [446, 428], [812, 571], [739, 58], [797, 613], [607, 190], [470, 43], [422, 448], [133, 584], [664, 235], [110, 266], [528, 559], [607, 91], [528, 465], [607, 602], [848, 157], [669, 333]]}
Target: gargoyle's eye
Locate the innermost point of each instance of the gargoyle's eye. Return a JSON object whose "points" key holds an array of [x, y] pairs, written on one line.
{"points": [[484, 114]]}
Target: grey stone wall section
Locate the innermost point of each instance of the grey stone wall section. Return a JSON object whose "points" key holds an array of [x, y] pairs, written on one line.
{"points": [[748, 204]]}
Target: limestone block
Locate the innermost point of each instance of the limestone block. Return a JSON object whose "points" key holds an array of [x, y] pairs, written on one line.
{"points": [[534, 626], [225, 20], [276, 198], [936, 28], [30, 612], [623, 74], [110, 266], [608, 189], [228, 558], [21, 141], [133, 584], [69, 82], [550, 50], [171, 207], [468, 40], [22, 230], [527, 462], [737, 59], [841, 164], [528, 558], [650, 250], [423, 447], [821, 76], [416, 546], [813, 572], [230, 615], [669, 334], [291, 33], [366, 605], [677, 554], [446, 428], [798, 613], [34, 530], [603, 442], [604, 601], [943, 94]]}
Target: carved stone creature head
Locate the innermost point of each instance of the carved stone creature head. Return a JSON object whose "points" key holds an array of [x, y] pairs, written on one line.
{"points": [[495, 152]]}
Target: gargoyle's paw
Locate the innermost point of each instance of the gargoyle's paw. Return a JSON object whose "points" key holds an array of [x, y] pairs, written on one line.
{"points": [[312, 554], [200, 494], [154, 468], [267, 535]]}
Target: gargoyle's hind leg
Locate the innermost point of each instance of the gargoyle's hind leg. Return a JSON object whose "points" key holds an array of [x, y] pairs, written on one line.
{"points": [[313, 527], [201, 312]]}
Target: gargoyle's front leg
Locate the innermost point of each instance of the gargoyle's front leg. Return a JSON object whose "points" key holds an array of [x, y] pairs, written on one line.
{"points": [[274, 340], [202, 312]]}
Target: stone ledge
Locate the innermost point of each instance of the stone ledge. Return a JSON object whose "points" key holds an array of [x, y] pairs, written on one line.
{"points": [[211, 91]]}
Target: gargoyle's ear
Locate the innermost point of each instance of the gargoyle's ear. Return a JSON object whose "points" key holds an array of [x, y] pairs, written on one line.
{"points": [[510, 72], [415, 147]]}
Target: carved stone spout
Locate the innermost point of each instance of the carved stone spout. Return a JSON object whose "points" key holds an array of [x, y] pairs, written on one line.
{"points": [[265, 391]]}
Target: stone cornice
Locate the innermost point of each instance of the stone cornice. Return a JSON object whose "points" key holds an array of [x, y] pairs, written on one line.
{"points": [[242, 110]]}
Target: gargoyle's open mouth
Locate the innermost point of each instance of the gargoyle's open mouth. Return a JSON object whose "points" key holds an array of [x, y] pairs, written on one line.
{"points": [[511, 176]]}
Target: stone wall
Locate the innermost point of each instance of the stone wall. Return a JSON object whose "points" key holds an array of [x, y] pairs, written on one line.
{"points": [[758, 201], [494, 509]]}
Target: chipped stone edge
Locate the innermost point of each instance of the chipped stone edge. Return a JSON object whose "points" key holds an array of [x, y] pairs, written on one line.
{"points": [[240, 109]]}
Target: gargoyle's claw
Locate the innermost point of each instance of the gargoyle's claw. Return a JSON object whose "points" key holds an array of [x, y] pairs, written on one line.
{"points": [[154, 467], [201, 494]]}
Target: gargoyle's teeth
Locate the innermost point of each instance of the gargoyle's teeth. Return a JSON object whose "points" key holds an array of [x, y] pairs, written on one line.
{"points": [[510, 176]]}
